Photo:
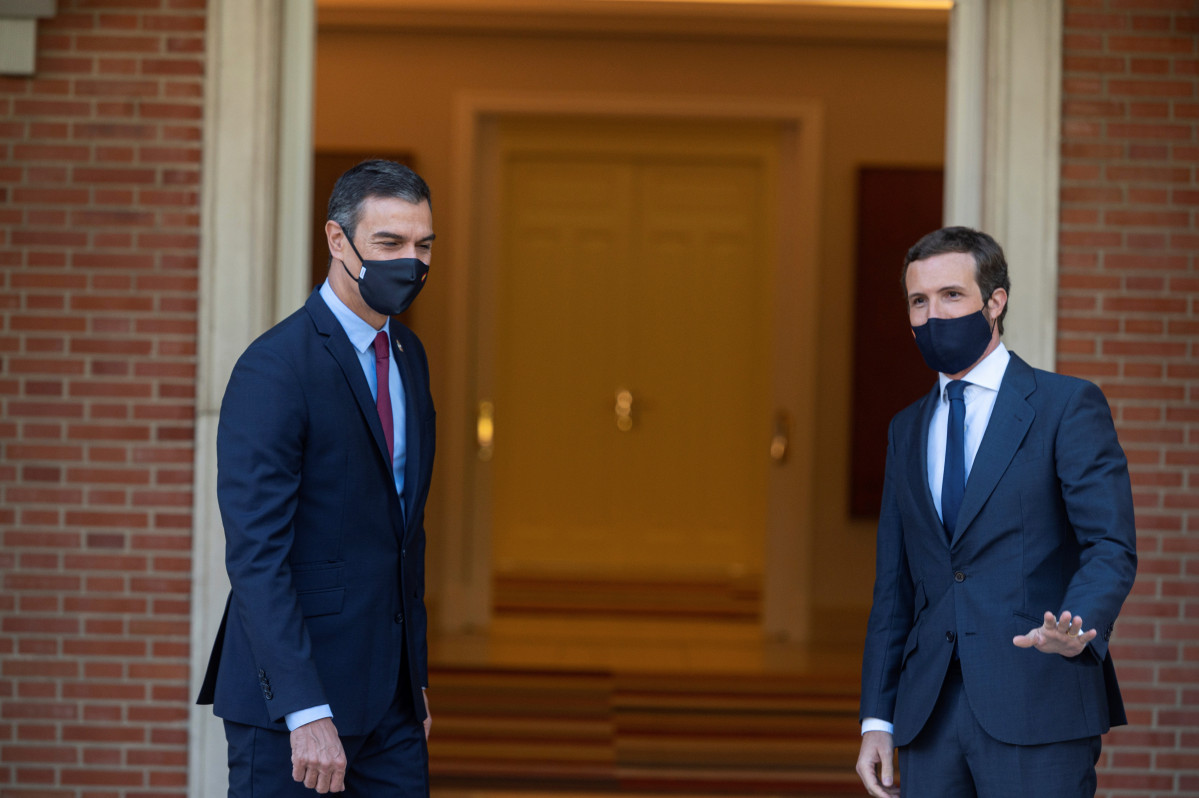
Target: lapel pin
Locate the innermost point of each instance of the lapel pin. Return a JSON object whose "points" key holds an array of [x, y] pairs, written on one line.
{"points": [[399, 345]]}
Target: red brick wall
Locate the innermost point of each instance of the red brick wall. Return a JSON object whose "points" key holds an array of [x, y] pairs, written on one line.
{"points": [[99, 232], [1129, 319]]}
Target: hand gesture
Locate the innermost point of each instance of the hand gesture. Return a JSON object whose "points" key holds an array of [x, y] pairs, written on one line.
{"points": [[1057, 636]]}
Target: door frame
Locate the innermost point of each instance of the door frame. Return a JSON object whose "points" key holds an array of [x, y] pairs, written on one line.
{"points": [[465, 604]]}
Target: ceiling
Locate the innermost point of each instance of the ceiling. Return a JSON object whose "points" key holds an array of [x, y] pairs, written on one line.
{"points": [[857, 20]]}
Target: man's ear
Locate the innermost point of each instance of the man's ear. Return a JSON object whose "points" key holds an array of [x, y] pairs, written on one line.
{"points": [[336, 239], [996, 303]]}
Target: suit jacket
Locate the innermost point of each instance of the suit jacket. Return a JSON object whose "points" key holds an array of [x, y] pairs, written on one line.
{"points": [[1046, 523], [327, 573]]}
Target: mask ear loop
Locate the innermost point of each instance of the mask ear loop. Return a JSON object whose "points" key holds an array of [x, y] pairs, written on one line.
{"points": [[991, 321], [362, 270]]}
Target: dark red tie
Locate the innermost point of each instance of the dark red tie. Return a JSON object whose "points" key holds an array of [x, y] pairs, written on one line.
{"points": [[383, 397]]}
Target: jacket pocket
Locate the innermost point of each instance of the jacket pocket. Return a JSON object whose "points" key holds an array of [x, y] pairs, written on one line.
{"points": [[320, 587], [1027, 617], [321, 602]]}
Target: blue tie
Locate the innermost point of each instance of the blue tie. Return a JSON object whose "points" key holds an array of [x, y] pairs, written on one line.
{"points": [[953, 484]]}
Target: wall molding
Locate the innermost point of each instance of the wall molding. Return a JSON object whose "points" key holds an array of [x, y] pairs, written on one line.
{"points": [[914, 21], [18, 34]]}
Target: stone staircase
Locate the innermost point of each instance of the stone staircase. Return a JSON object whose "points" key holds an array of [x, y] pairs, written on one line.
{"points": [[648, 733]]}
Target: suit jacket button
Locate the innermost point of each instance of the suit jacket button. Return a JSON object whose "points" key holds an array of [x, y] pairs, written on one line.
{"points": [[950, 636], [269, 695], [399, 617], [958, 576]]}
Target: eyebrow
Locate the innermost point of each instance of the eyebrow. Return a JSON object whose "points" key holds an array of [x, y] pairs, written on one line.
{"points": [[383, 234], [942, 289]]}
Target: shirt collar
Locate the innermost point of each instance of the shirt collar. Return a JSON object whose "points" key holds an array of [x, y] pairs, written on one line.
{"points": [[361, 334], [987, 374]]}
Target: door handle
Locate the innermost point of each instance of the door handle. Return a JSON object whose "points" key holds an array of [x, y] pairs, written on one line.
{"points": [[624, 410], [485, 429], [782, 437]]}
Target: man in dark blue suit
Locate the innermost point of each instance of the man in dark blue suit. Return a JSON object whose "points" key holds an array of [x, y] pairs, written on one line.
{"points": [[1006, 521], [324, 454]]}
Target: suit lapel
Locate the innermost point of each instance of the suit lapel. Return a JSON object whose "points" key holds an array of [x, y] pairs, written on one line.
{"points": [[411, 427], [917, 444], [1010, 421], [339, 346]]}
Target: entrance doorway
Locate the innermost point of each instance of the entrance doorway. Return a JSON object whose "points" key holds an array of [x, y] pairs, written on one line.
{"points": [[638, 442]]}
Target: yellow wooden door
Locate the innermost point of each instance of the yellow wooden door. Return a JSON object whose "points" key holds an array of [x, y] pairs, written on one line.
{"points": [[632, 351]]}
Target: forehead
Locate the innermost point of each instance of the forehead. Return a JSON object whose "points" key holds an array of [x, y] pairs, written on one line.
{"points": [[395, 215], [941, 271]]}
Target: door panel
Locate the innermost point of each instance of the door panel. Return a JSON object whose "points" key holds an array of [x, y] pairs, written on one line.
{"points": [[641, 262]]}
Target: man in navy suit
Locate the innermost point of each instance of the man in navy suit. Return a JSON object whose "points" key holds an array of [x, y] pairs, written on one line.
{"points": [[324, 454], [1006, 547]]}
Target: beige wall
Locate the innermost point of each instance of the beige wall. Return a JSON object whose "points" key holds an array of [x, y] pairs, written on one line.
{"points": [[883, 104]]}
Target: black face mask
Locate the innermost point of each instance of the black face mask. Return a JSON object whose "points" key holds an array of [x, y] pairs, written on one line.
{"points": [[951, 346], [388, 286]]}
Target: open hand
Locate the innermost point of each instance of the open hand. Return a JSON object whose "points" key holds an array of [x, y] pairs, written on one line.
{"points": [[1057, 636]]}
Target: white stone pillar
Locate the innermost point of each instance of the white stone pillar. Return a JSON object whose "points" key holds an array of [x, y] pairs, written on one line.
{"points": [[1002, 161], [254, 266]]}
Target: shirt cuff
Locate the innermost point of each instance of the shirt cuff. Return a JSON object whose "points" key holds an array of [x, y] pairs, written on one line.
{"points": [[305, 716], [874, 724]]}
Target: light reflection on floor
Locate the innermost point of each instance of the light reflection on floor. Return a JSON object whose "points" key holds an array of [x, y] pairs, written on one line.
{"points": [[641, 646]]}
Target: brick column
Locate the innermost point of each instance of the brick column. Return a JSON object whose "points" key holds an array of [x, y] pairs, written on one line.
{"points": [[1128, 318], [99, 230]]}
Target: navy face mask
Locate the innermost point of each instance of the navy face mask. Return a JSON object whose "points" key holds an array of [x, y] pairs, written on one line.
{"points": [[388, 286], [951, 346]]}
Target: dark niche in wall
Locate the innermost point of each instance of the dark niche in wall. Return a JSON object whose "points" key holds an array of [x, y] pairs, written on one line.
{"points": [[896, 206]]}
